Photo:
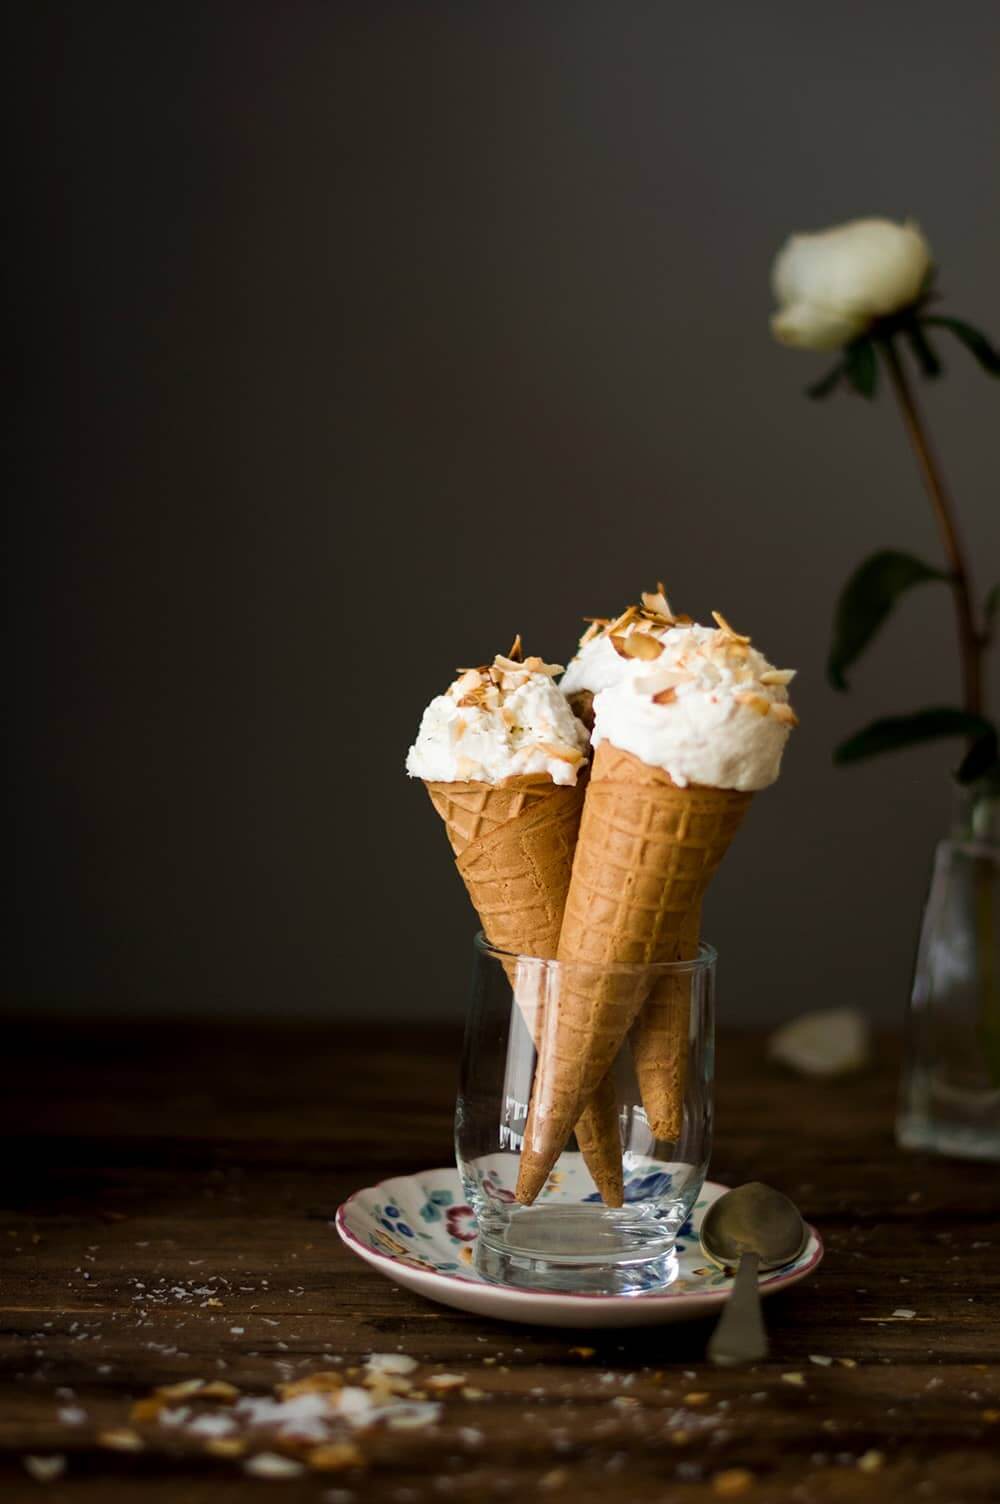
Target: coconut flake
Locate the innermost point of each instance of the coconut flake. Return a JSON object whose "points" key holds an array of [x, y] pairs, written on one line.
{"points": [[44, 1469], [271, 1465], [390, 1363]]}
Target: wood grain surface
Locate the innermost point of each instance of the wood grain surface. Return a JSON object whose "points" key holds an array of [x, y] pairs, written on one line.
{"points": [[168, 1196]]}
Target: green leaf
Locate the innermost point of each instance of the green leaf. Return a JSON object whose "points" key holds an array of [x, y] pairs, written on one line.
{"points": [[924, 353], [990, 606], [866, 601], [861, 367], [825, 385], [977, 343], [896, 731], [981, 758]]}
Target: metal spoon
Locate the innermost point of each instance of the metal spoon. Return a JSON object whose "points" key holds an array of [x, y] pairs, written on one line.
{"points": [[755, 1228]]}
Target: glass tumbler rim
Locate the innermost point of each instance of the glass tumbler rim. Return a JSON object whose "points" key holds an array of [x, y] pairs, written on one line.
{"points": [[703, 961]]}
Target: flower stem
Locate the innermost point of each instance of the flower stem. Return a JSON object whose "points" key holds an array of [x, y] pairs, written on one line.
{"points": [[971, 641], [972, 644]]}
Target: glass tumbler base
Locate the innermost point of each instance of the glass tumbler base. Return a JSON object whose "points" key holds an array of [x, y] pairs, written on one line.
{"points": [[587, 1250]]}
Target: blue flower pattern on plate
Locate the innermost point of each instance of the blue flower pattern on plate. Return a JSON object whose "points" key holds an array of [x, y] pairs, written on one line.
{"points": [[431, 1209], [391, 1218], [643, 1187]]}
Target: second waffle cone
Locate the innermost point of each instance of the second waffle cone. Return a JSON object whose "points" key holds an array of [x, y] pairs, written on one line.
{"points": [[660, 1041], [646, 852], [513, 845]]}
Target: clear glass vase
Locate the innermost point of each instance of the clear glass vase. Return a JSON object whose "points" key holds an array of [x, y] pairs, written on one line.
{"points": [[950, 1096], [570, 1238]]}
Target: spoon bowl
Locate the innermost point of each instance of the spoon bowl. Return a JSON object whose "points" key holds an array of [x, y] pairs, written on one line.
{"points": [[753, 1228], [753, 1218]]}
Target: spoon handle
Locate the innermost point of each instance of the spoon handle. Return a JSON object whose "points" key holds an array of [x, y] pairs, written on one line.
{"points": [[739, 1336]]}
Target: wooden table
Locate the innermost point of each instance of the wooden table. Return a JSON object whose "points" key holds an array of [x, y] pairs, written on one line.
{"points": [[169, 1195]]}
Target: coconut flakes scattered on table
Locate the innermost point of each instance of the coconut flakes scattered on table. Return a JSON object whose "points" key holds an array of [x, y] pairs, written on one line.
{"points": [[413, 1415], [390, 1363], [44, 1469], [271, 1465], [732, 1482], [446, 1381], [314, 1416], [211, 1424], [120, 1439]]}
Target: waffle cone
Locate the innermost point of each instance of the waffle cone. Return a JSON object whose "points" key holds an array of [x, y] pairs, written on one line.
{"points": [[472, 810], [646, 853], [660, 1041], [514, 845]]}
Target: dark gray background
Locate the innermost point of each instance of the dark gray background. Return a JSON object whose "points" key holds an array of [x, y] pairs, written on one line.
{"points": [[354, 337]]}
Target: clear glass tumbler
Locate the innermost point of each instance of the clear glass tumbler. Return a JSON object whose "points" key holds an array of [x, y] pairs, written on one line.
{"points": [[569, 1240]]}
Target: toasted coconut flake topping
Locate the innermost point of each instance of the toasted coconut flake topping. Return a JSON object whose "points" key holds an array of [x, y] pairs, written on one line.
{"points": [[665, 696], [758, 703], [471, 679], [502, 666], [727, 630], [626, 619], [778, 676], [655, 601], [637, 644], [516, 650], [785, 713], [561, 752], [654, 609]]}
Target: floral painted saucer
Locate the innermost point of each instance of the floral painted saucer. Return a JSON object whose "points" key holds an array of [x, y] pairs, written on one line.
{"points": [[418, 1232]]}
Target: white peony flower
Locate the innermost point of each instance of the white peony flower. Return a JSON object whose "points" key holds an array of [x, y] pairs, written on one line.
{"points": [[832, 285]]}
